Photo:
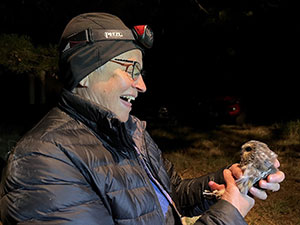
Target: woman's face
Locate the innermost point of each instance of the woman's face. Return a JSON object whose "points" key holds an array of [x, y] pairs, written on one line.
{"points": [[113, 88]]}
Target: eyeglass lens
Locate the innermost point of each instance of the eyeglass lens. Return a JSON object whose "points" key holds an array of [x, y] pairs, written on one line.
{"points": [[134, 70]]}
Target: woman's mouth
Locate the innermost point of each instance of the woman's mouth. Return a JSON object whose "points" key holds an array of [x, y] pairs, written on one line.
{"points": [[126, 100]]}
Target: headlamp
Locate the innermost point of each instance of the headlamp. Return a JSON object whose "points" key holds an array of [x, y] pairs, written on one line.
{"points": [[142, 34]]}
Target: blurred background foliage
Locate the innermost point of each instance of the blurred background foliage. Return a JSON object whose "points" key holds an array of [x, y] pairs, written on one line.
{"points": [[203, 48], [19, 55]]}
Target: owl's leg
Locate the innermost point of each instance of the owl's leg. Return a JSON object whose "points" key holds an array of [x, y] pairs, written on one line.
{"points": [[244, 184], [213, 194]]}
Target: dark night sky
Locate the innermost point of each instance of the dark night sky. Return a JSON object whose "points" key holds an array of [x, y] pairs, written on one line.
{"points": [[245, 48]]}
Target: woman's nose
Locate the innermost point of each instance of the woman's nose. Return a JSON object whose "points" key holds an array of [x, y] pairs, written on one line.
{"points": [[139, 84]]}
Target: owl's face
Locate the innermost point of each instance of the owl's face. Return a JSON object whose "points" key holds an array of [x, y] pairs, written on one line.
{"points": [[248, 152], [256, 151]]}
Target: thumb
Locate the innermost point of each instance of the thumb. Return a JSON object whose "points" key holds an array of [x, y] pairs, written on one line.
{"points": [[228, 178], [214, 186]]}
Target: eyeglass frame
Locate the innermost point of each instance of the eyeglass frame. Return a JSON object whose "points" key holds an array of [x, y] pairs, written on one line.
{"points": [[132, 63]]}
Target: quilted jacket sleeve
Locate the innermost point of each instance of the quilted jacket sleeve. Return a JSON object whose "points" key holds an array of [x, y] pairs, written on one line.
{"points": [[191, 202], [188, 192], [221, 213], [51, 189]]}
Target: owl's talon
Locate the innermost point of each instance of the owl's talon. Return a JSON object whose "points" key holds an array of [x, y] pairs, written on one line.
{"points": [[213, 194]]}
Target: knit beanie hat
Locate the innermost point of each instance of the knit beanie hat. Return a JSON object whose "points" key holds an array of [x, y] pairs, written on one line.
{"points": [[89, 41]]}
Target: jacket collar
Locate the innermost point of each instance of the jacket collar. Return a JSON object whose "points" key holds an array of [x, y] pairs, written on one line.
{"points": [[102, 122]]}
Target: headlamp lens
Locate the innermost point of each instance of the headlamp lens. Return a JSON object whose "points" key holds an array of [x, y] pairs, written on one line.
{"points": [[144, 35]]}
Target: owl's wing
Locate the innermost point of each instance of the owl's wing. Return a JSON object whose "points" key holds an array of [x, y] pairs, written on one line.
{"points": [[250, 177], [244, 184]]}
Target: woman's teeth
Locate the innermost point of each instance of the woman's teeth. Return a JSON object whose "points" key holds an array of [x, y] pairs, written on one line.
{"points": [[127, 98]]}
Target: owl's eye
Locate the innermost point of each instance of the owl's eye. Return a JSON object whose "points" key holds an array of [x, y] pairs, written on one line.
{"points": [[248, 149]]}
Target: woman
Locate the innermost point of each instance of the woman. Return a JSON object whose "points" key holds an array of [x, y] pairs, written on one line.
{"points": [[88, 161]]}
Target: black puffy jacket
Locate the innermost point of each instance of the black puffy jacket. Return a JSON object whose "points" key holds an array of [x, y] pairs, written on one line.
{"points": [[79, 165]]}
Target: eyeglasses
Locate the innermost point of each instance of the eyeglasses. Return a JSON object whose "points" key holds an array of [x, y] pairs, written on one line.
{"points": [[133, 68]]}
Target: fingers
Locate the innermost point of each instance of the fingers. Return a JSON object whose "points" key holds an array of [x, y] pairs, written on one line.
{"points": [[272, 184], [236, 170], [269, 186], [228, 178], [242, 202], [214, 186], [277, 177], [258, 193], [277, 164]]}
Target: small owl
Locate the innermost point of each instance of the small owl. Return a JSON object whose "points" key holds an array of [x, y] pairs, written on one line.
{"points": [[257, 162]]}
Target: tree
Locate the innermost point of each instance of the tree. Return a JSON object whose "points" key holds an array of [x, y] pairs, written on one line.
{"points": [[19, 56]]}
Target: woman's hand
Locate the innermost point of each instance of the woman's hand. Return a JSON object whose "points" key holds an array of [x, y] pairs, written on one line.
{"points": [[243, 203], [270, 183]]}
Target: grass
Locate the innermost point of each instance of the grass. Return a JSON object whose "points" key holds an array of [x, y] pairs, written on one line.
{"points": [[196, 152]]}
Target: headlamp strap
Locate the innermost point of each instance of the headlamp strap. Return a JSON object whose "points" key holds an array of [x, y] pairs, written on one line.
{"points": [[92, 35], [139, 33]]}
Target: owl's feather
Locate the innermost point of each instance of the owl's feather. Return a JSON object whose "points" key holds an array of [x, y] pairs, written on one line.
{"points": [[257, 162]]}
